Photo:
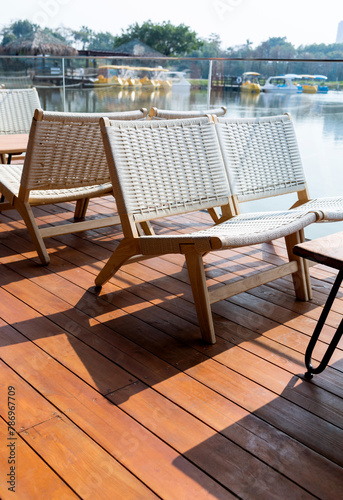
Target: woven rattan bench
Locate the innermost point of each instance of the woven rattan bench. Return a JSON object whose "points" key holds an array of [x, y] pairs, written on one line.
{"points": [[65, 161], [164, 168]]}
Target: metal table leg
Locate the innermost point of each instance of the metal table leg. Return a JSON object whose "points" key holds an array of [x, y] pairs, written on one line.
{"points": [[333, 344]]}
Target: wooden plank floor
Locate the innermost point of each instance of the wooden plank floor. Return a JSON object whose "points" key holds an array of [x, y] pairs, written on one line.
{"points": [[117, 397]]}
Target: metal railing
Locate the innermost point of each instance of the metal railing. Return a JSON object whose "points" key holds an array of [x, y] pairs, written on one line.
{"points": [[59, 71]]}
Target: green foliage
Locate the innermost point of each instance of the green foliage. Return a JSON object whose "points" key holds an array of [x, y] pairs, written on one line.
{"points": [[8, 38], [280, 48], [18, 29], [180, 40], [102, 41], [22, 29], [56, 34], [83, 35], [211, 47], [166, 38], [275, 48]]}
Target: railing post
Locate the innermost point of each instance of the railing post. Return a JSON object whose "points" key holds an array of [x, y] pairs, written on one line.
{"points": [[209, 84], [64, 85]]}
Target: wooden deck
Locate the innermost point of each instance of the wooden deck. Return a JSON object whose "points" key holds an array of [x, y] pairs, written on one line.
{"points": [[117, 397]]}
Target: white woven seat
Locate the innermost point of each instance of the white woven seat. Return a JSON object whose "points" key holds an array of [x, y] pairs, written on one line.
{"points": [[241, 230], [163, 168], [166, 114], [65, 161], [262, 160], [11, 180], [331, 207]]}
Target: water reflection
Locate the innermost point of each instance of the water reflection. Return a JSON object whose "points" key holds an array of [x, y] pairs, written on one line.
{"points": [[317, 118]]}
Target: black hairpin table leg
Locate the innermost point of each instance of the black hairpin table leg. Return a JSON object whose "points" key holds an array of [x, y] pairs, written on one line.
{"points": [[333, 344], [327, 250]]}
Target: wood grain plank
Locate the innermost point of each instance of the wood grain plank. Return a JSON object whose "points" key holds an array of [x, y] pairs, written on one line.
{"points": [[128, 442], [33, 477], [243, 390], [84, 465]]}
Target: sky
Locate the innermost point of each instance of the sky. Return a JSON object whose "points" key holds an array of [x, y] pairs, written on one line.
{"points": [[302, 22]]}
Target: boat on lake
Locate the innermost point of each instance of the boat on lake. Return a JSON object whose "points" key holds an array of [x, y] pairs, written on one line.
{"points": [[284, 84], [111, 75], [173, 80], [308, 84], [322, 88], [250, 82]]}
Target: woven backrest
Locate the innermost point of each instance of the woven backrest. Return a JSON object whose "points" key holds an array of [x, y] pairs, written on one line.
{"points": [[168, 167], [261, 156], [136, 114], [16, 110], [65, 150], [166, 114]]}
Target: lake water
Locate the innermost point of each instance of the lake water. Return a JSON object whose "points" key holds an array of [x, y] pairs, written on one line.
{"points": [[318, 120]]}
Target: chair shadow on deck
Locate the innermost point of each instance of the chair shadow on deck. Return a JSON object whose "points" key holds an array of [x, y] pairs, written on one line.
{"points": [[138, 345], [227, 411], [303, 448]]}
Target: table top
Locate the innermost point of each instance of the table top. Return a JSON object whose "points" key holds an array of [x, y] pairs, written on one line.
{"points": [[13, 143], [327, 250]]}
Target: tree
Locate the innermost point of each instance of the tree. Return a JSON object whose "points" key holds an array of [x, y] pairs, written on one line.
{"points": [[84, 35], [274, 48], [211, 47], [56, 34], [18, 29], [166, 38], [102, 41], [8, 38], [22, 29]]}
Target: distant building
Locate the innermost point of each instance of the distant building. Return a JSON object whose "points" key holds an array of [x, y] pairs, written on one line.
{"points": [[339, 37]]}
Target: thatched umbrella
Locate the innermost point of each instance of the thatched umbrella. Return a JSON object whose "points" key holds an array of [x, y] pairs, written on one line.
{"points": [[39, 43]]}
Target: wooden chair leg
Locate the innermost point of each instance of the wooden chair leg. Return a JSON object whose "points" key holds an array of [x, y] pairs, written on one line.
{"points": [[125, 250], [301, 279], [197, 278], [25, 211], [145, 228], [81, 209], [214, 214]]}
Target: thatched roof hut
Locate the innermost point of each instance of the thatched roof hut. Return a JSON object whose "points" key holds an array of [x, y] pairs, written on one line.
{"points": [[39, 43]]}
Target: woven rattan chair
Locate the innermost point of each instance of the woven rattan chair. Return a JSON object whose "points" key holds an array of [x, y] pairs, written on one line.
{"points": [[65, 161], [163, 168], [165, 114], [16, 110], [262, 160]]}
